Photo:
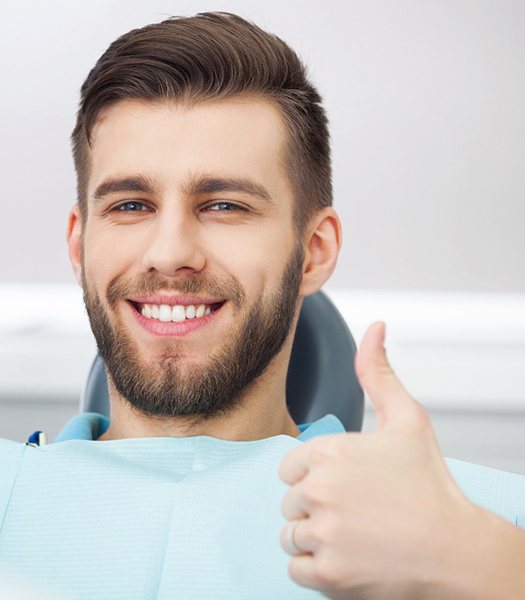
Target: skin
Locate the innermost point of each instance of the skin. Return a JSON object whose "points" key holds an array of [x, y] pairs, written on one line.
{"points": [[378, 515], [182, 233]]}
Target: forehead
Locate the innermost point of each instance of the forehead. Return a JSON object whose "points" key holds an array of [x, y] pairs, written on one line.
{"points": [[169, 142]]}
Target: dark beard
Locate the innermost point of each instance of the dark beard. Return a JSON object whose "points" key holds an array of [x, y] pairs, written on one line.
{"points": [[210, 389]]}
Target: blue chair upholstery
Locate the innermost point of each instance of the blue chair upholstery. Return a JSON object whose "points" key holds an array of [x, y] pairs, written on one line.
{"points": [[321, 376]]}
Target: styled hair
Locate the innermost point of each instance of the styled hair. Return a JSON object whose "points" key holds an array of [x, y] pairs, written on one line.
{"points": [[211, 56]]}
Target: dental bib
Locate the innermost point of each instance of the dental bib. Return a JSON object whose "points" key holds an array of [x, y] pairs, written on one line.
{"points": [[159, 518], [163, 518]]}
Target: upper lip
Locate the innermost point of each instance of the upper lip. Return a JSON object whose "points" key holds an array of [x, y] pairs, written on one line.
{"points": [[179, 300]]}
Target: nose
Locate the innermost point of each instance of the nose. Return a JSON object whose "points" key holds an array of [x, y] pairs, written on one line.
{"points": [[173, 246]]}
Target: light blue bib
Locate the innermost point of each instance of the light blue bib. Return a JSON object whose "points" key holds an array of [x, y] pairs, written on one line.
{"points": [[165, 518]]}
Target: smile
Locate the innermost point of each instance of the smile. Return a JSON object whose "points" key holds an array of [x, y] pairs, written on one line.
{"points": [[176, 313], [165, 315]]}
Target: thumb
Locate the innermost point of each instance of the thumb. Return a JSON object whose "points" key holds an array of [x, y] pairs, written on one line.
{"points": [[392, 403]]}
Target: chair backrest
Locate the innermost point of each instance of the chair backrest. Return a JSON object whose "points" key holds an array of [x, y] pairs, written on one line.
{"points": [[321, 376]]}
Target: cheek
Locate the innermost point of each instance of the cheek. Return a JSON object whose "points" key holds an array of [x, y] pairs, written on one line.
{"points": [[105, 258], [266, 243], [256, 269]]}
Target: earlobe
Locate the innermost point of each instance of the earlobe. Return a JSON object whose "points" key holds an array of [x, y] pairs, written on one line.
{"points": [[74, 241], [321, 251]]}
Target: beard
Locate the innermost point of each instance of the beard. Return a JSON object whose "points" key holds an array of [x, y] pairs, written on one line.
{"points": [[214, 387]]}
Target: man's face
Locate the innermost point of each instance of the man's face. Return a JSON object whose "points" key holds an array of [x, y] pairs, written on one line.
{"points": [[190, 265]]}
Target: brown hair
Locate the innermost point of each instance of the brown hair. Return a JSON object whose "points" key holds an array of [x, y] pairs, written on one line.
{"points": [[213, 55]]}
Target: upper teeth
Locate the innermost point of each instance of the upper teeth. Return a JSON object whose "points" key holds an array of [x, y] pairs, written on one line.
{"points": [[177, 313]]}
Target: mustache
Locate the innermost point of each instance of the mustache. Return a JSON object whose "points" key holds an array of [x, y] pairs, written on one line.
{"points": [[153, 282]]}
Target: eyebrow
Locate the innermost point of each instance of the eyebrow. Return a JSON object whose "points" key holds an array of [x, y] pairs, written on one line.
{"points": [[198, 186], [210, 185], [138, 183]]}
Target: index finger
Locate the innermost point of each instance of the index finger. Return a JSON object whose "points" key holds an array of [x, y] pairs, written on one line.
{"points": [[296, 464]]}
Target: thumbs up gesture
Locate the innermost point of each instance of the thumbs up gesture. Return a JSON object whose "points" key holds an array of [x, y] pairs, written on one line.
{"points": [[377, 515]]}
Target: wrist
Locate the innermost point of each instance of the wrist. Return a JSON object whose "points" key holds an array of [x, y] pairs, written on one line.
{"points": [[488, 560]]}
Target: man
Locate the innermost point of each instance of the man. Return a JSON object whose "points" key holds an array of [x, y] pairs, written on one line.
{"points": [[203, 218]]}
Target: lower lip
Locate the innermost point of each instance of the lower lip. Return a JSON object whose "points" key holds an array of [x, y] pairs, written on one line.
{"points": [[167, 329]]}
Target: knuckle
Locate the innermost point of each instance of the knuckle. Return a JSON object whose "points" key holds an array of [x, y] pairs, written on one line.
{"points": [[326, 449], [314, 534], [419, 412], [288, 464], [292, 504], [423, 417], [330, 528], [316, 496], [311, 493], [419, 421], [323, 531], [319, 491], [326, 573], [320, 453], [385, 370]]}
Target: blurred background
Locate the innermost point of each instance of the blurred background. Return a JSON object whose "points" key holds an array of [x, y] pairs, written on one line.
{"points": [[425, 100]]}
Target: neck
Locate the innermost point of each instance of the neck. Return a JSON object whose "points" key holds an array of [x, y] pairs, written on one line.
{"points": [[262, 413]]}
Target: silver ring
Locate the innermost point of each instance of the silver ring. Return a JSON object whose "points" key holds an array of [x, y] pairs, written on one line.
{"points": [[293, 548]]}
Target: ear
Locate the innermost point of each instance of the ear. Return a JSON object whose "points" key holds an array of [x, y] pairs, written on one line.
{"points": [[74, 241], [322, 245]]}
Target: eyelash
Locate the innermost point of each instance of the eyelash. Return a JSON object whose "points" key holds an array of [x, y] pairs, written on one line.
{"points": [[120, 207], [232, 207]]}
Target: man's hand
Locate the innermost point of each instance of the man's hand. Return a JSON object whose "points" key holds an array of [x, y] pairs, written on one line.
{"points": [[378, 515]]}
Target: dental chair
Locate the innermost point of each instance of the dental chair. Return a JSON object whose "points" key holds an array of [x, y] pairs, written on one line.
{"points": [[321, 376]]}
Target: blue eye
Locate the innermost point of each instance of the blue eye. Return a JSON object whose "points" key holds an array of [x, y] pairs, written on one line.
{"points": [[131, 206], [224, 207]]}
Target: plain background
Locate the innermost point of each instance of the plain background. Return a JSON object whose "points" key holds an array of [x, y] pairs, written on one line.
{"points": [[425, 100]]}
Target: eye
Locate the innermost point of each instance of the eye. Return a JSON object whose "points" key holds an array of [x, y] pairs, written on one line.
{"points": [[131, 206], [225, 207]]}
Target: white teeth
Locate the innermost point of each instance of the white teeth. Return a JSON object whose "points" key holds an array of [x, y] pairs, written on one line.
{"points": [[178, 314], [165, 313]]}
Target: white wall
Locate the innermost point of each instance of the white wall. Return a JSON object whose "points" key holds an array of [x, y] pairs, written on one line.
{"points": [[426, 105]]}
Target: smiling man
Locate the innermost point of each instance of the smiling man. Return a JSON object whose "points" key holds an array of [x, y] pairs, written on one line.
{"points": [[203, 167], [203, 219], [195, 308]]}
